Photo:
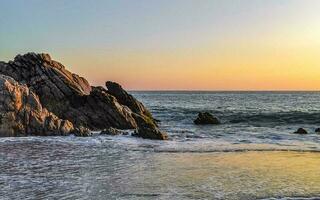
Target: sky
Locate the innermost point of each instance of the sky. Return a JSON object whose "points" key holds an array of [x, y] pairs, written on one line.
{"points": [[172, 44]]}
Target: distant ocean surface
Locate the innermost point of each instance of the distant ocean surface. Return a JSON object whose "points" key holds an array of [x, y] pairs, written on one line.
{"points": [[250, 118], [251, 155]]}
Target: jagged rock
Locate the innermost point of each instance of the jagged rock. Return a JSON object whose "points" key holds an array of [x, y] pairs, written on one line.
{"points": [[206, 118], [146, 125], [147, 129], [82, 132], [317, 130], [301, 131], [71, 97], [100, 110], [22, 114], [68, 95], [126, 99]]}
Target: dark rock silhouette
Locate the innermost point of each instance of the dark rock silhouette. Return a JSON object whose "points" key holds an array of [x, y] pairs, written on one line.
{"points": [[206, 118], [317, 130], [301, 131], [70, 96]]}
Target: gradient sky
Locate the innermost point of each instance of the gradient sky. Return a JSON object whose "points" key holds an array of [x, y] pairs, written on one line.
{"points": [[172, 44]]}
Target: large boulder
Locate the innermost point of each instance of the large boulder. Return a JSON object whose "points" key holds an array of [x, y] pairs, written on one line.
{"points": [[70, 96], [22, 114], [317, 130], [206, 118]]}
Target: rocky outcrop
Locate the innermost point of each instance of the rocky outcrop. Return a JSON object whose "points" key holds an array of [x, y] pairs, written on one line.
{"points": [[70, 96], [301, 131], [22, 113], [126, 99], [147, 129], [146, 125], [317, 130], [206, 118]]}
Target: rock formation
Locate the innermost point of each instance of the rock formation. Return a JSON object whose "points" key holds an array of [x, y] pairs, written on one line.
{"points": [[317, 130], [148, 129], [301, 131], [22, 113], [206, 118], [68, 96], [126, 99]]}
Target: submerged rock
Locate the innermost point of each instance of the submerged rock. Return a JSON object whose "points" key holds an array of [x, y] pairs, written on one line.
{"points": [[206, 118], [68, 96], [301, 131], [113, 131]]}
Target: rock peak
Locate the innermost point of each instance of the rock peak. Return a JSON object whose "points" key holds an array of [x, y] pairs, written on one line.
{"points": [[45, 57]]}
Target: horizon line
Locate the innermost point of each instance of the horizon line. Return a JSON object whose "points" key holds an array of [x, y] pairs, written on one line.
{"points": [[192, 90]]}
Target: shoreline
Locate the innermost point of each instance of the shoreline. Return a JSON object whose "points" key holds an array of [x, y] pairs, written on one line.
{"points": [[170, 146], [109, 169]]}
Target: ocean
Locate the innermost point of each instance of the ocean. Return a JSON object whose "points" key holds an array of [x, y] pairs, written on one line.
{"points": [[253, 154]]}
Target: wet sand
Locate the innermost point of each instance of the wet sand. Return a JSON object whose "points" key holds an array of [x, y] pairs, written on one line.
{"points": [[244, 175]]}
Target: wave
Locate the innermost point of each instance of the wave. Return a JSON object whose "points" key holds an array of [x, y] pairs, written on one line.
{"points": [[293, 198], [280, 118], [234, 117], [236, 150], [198, 145]]}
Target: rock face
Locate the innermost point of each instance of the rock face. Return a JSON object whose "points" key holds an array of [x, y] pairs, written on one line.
{"points": [[126, 99], [69, 96], [22, 113], [206, 118], [146, 125], [301, 131]]}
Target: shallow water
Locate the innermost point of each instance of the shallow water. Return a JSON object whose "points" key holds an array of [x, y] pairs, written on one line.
{"points": [[252, 155], [109, 168]]}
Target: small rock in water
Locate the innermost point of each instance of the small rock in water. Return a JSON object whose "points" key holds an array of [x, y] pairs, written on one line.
{"points": [[301, 131], [82, 132], [206, 118], [113, 131], [317, 130]]}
